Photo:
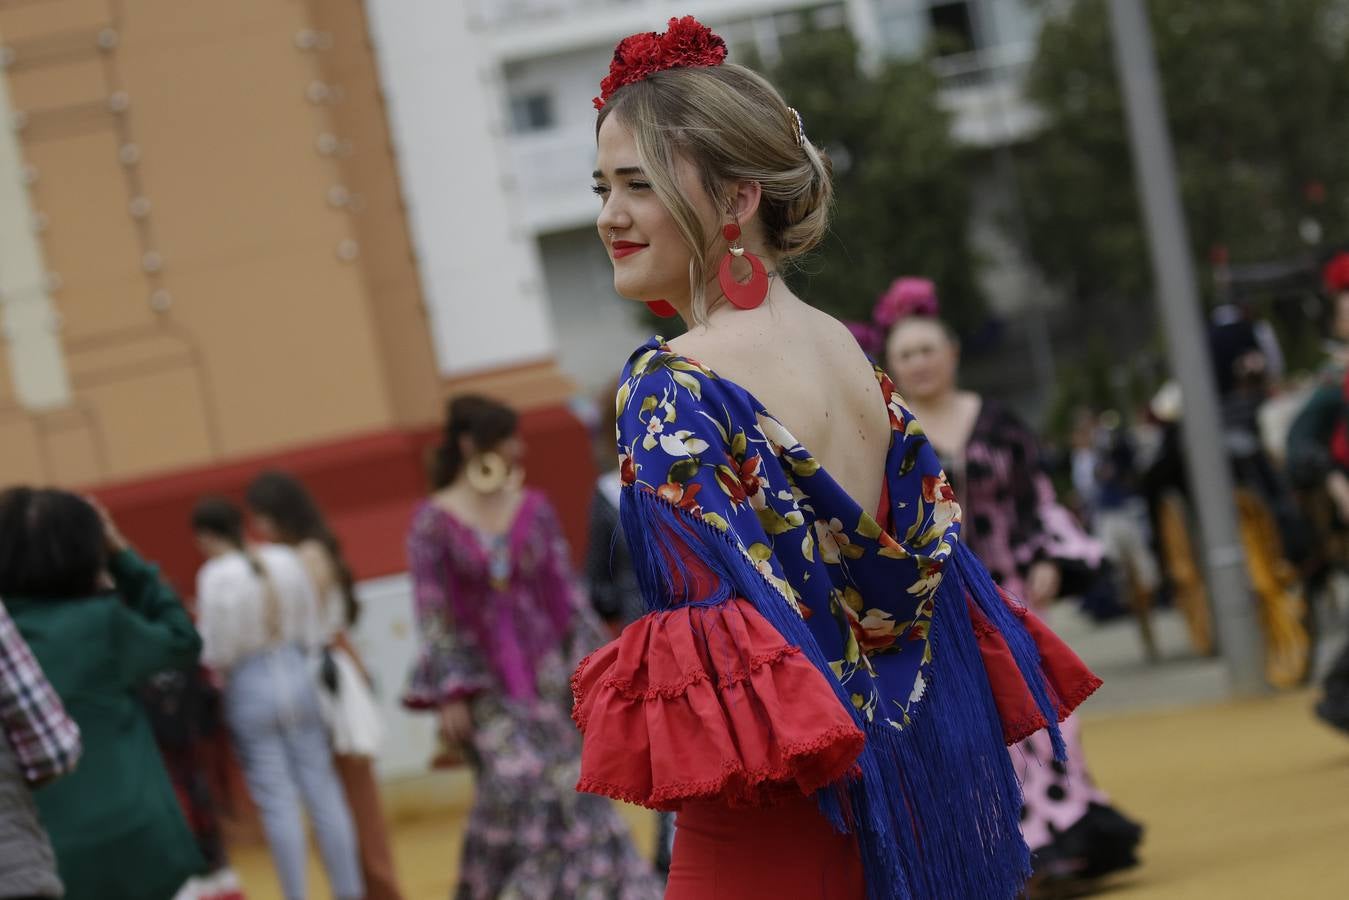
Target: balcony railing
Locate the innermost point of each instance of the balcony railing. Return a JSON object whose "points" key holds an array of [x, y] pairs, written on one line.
{"points": [[529, 29], [979, 68], [494, 14], [985, 90]]}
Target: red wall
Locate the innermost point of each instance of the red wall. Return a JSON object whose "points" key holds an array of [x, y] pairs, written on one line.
{"points": [[367, 486]]}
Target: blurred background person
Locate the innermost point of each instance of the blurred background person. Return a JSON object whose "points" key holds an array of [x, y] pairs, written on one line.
{"points": [[39, 743], [1318, 467], [185, 717], [502, 624], [258, 616], [1118, 516], [283, 511], [1013, 522], [614, 595], [1276, 537], [100, 621]]}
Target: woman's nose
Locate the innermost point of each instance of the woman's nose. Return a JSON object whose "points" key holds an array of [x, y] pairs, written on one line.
{"points": [[610, 217]]}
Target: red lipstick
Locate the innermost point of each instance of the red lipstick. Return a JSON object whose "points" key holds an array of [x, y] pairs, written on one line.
{"points": [[625, 248]]}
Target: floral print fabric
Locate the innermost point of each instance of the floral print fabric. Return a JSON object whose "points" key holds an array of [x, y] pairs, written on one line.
{"points": [[708, 447], [530, 836]]}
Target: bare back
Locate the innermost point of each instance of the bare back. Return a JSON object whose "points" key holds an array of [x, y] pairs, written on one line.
{"points": [[808, 371]]}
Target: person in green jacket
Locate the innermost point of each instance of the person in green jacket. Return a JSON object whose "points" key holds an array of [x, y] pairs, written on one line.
{"points": [[100, 621]]}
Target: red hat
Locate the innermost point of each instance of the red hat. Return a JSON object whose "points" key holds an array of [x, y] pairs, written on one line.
{"points": [[1335, 275]]}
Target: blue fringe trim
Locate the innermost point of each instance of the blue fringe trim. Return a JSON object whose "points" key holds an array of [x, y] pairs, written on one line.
{"points": [[976, 581], [936, 810]]}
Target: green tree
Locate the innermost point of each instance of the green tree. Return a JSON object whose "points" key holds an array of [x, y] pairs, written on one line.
{"points": [[902, 192], [1257, 94]]}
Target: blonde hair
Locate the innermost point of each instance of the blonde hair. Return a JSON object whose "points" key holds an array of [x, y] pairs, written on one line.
{"points": [[732, 126]]}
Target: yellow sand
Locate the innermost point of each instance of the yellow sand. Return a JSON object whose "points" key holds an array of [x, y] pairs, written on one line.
{"points": [[1243, 800]]}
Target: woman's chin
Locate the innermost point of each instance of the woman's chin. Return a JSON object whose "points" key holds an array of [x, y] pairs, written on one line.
{"points": [[632, 288]]}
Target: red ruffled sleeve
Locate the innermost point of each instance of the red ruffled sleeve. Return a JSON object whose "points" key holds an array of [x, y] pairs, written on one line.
{"points": [[1067, 677], [707, 702]]}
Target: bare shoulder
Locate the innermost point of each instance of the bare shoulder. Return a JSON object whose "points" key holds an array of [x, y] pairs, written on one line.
{"points": [[790, 337], [836, 343], [316, 561], [719, 348], [283, 563]]}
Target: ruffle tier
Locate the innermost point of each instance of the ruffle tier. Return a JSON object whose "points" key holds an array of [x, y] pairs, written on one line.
{"points": [[1068, 679], [708, 702]]}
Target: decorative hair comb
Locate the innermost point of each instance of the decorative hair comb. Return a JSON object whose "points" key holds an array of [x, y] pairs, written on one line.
{"points": [[800, 127], [686, 44]]}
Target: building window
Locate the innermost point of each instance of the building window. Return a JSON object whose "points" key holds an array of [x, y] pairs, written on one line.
{"points": [[952, 27], [532, 112]]}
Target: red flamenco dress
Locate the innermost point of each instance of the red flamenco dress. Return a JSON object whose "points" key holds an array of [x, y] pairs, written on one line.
{"points": [[823, 695]]}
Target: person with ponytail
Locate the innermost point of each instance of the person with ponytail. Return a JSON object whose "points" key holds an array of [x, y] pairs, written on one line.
{"points": [[502, 622], [826, 679], [258, 617], [283, 511]]}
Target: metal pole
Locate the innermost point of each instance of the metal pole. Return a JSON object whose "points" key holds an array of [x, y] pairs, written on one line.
{"points": [[1187, 346]]}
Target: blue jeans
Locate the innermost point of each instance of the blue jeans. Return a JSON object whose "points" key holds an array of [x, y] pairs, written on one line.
{"points": [[271, 704]]}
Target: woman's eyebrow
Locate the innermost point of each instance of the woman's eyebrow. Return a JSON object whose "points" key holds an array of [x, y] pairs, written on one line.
{"points": [[623, 170]]}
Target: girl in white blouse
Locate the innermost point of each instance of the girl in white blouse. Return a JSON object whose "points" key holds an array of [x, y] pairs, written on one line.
{"points": [[258, 618]]}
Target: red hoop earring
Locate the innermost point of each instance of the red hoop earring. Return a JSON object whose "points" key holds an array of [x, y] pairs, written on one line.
{"points": [[748, 294], [661, 308]]}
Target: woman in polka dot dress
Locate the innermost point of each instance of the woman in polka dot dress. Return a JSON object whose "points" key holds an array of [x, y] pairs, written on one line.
{"points": [[1015, 525]]}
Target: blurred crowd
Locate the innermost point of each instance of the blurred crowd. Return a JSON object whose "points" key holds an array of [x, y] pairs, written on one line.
{"points": [[129, 715]]}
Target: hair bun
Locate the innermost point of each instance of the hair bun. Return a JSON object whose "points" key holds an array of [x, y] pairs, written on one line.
{"points": [[806, 219]]}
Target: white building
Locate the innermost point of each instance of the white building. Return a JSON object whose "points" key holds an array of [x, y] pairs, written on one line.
{"points": [[540, 63]]}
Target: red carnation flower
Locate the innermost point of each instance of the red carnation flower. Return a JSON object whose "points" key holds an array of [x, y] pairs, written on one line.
{"points": [[687, 44]]}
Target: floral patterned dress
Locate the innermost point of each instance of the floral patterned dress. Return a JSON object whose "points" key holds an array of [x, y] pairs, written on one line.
{"points": [[1012, 517], [501, 623], [798, 644]]}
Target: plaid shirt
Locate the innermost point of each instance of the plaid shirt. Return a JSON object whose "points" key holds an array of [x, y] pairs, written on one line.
{"points": [[46, 741]]}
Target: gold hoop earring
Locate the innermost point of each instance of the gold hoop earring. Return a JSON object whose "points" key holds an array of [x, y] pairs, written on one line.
{"points": [[487, 472]]}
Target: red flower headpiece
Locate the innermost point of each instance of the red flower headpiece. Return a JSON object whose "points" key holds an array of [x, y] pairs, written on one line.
{"points": [[906, 296], [1336, 273], [686, 44]]}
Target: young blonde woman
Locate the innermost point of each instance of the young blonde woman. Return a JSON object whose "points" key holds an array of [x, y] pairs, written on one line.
{"points": [[827, 679]]}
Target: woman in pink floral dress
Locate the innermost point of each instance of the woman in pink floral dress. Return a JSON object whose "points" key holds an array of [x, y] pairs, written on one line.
{"points": [[502, 625], [1016, 525]]}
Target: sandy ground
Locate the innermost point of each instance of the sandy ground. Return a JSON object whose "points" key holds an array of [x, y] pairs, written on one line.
{"points": [[1241, 800]]}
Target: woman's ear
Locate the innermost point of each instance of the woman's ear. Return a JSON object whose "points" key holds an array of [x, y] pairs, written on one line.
{"points": [[745, 198]]}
